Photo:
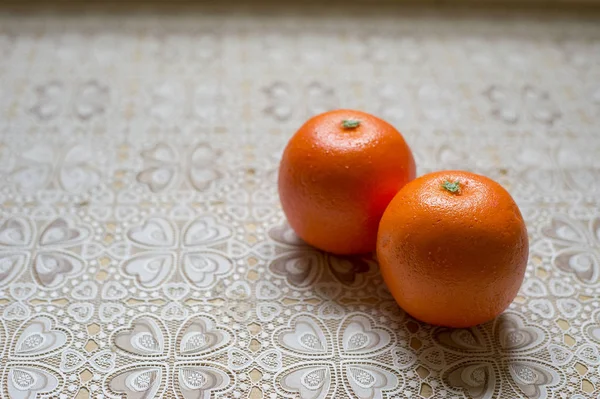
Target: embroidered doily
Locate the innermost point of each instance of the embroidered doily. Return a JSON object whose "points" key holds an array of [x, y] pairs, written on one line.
{"points": [[143, 252]]}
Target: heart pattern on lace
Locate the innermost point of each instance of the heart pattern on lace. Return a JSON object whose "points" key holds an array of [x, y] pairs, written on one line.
{"points": [[267, 312], [331, 310], [38, 337], [144, 338], [368, 381], [16, 311], [77, 178], [11, 266], [593, 329], [309, 381], [516, 337], [238, 212], [139, 383], [476, 380], [581, 262], [113, 291], [573, 242], [305, 336], [201, 336], [403, 358], [155, 232], [534, 288], [16, 232], [238, 359], [270, 360], [542, 307], [240, 311], [559, 355], [161, 152], [239, 290], [108, 312], [462, 340], [201, 171], [206, 380], [205, 230], [150, 269], [76, 175], [64, 233], [239, 249], [532, 379], [119, 250], [91, 250], [359, 337], [433, 358], [262, 249], [25, 381], [100, 212], [561, 288], [86, 290], [262, 213], [589, 354], [51, 269], [32, 177], [285, 235], [203, 268], [562, 229], [81, 311], [174, 311], [22, 291], [300, 268], [71, 360], [176, 291], [158, 178], [266, 290], [568, 307], [103, 361]]}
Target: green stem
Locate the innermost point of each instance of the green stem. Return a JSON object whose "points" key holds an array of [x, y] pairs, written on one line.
{"points": [[350, 123], [451, 187]]}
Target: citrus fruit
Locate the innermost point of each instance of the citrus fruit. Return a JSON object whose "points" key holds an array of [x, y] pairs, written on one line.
{"points": [[452, 248], [337, 175]]}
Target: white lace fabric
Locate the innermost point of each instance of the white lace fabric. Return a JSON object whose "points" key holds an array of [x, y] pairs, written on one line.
{"points": [[143, 251]]}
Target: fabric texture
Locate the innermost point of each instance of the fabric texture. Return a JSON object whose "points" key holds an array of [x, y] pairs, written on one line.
{"points": [[143, 251]]}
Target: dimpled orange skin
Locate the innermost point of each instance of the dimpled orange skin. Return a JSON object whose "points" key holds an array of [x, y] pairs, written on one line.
{"points": [[453, 259], [335, 182]]}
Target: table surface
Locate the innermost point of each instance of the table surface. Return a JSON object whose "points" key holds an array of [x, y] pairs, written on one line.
{"points": [[143, 251]]}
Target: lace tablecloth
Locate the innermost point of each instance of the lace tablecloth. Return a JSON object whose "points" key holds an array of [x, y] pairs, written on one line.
{"points": [[143, 252]]}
